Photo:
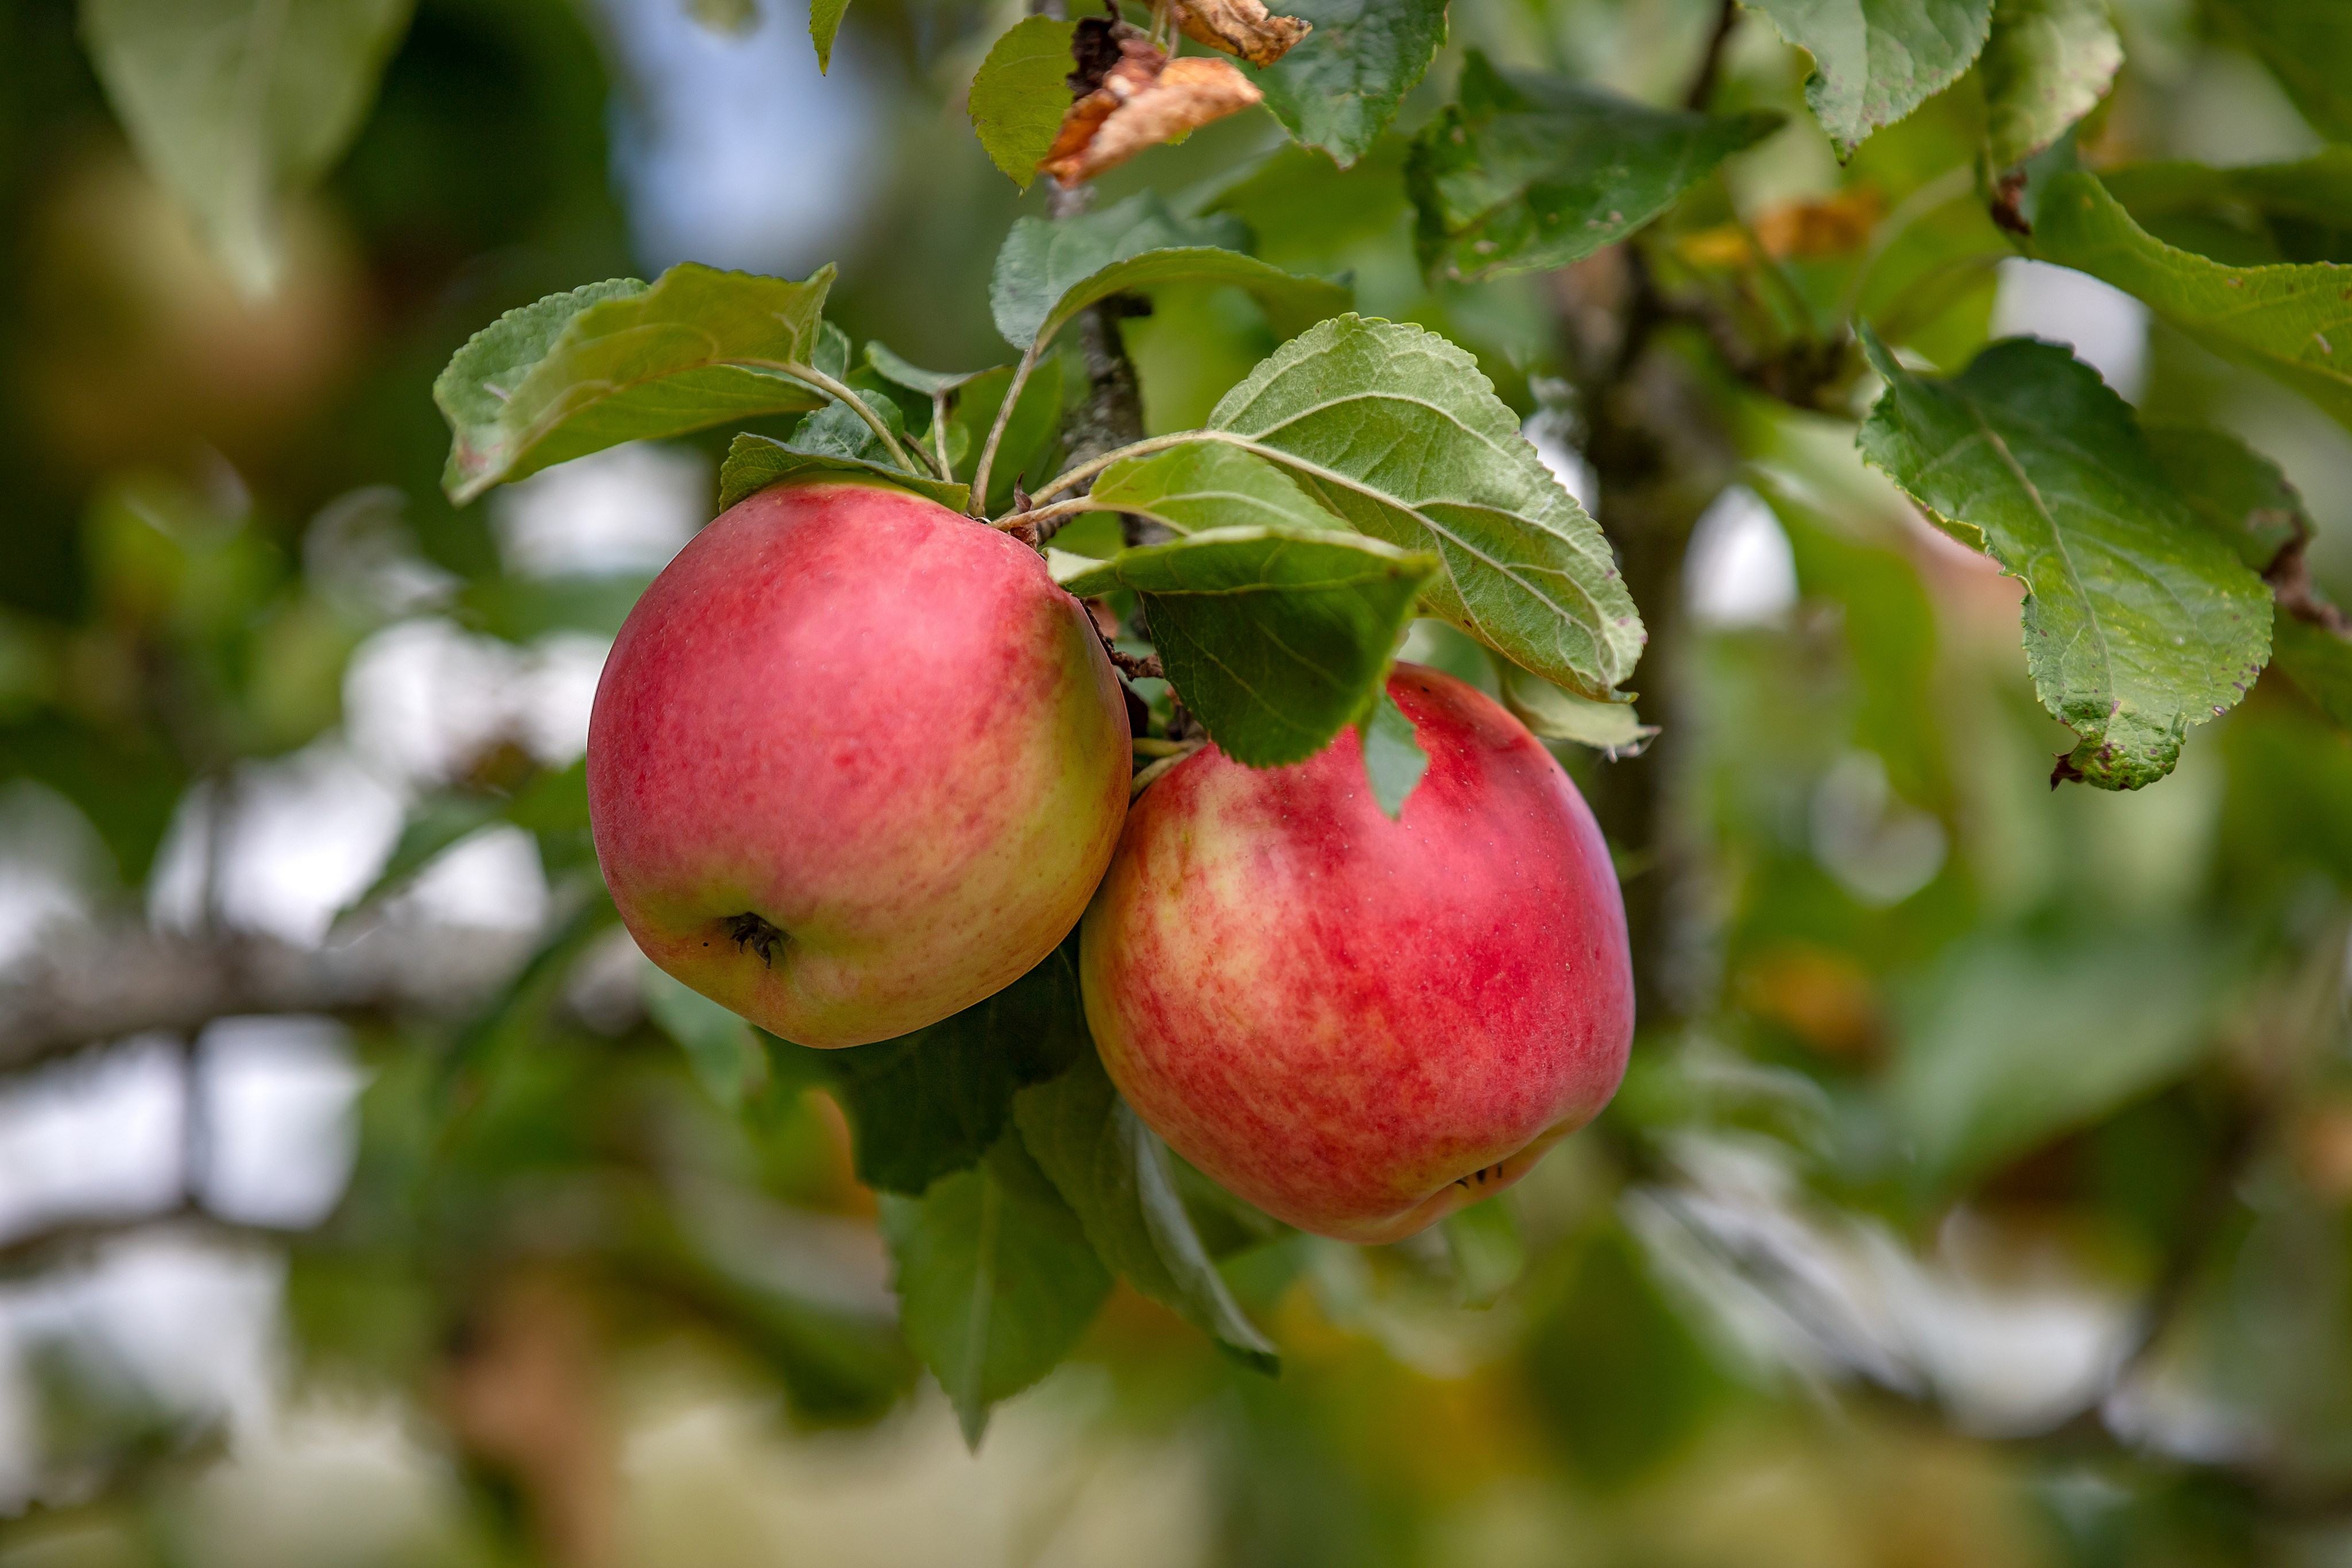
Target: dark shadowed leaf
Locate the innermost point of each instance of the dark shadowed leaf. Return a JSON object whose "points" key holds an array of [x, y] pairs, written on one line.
{"points": [[1048, 272], [2046, 64], [1115, 1172], [995, 1279], [2249, 214], [2293, 322], [236, 105], [755, 462], [1338, 88], [1020, 95], [1527, 171], [2138, 620], [2245, 498], [1396, 431], [1874, 61], [2010, 1041], [932, 1101], [619, 360], [1277, 638]]}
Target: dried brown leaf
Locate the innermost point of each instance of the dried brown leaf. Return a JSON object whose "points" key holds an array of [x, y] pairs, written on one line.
{"points": [[1240, 27], [1136, 109]]}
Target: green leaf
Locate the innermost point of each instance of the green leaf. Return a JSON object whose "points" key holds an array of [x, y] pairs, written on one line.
{"points": [[2240, 494], [2013, 1040], [2138, 622], [2319, 662], [1874, 61], [2249, 214], [1610, 727], [755, 462], [995, 1279], [2244, 498], [1488, 1252], [1209, 484], [1021, 93], [1394, 759], [1277, 638], [1396, 431], [2307, 45], [2046, 64], [619, 361], [2293, 322], [932, 1101], [438, 822], [1048, 272], [721, 1048], [913, 377], [1339, 87], [1116, 1174], [825, 26], [1031, 436], [1527, 171], [235, 105]]}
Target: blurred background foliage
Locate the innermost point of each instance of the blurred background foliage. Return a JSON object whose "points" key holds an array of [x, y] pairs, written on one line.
{"points": [[1979, 1198]]}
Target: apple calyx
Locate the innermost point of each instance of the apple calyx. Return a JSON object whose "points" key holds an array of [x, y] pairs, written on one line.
{"points": [[756, 933]]}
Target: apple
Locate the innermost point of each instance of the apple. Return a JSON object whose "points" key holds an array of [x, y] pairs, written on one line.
{"points": [[1360, 1025], [855, 762]]}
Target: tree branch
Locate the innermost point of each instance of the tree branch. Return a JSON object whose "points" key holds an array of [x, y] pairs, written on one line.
{"points": [[101, 985]]}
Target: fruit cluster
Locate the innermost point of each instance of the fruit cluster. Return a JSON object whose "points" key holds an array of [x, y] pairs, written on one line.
{"points": [[857, 763]]}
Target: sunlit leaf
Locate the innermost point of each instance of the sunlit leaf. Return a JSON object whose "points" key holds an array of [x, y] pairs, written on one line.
{"points": [[2138, 620], [1395, 430], [1874, 61], [1527, 171], [825, 26], [235, 105], [1114, 1173], [1019, 97], [1612, 727], [1209, 484], [618, 360], [1275, 638]]}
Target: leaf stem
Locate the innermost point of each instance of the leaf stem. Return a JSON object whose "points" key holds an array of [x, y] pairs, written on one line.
{"points": [[1093, 467], [996, 429], [812, 376]]}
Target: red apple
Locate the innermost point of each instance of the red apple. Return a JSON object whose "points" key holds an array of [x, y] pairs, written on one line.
{"points": [[856, 763], [1360, 1025]]}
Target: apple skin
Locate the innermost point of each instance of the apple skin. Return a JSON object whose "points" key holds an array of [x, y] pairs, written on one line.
{"points": [[875, 725], [1361, 1025]]}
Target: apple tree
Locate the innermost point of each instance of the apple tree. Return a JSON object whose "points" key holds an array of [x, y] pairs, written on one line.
{"points": [[1366, 404]]}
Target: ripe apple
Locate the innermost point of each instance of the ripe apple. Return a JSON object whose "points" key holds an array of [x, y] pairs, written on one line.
{"points": [[854, 764], [1360, 1025]]}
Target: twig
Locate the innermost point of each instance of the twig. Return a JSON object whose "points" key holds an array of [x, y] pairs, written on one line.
{"points": [[1710, 63]]}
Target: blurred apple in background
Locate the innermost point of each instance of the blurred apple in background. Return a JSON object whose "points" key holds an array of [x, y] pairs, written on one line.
{"points": [[1361, 1025]]}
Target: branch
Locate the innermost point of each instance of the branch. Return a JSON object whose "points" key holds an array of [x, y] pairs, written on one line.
{"points": [[1710, 63], [101, 985]]}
